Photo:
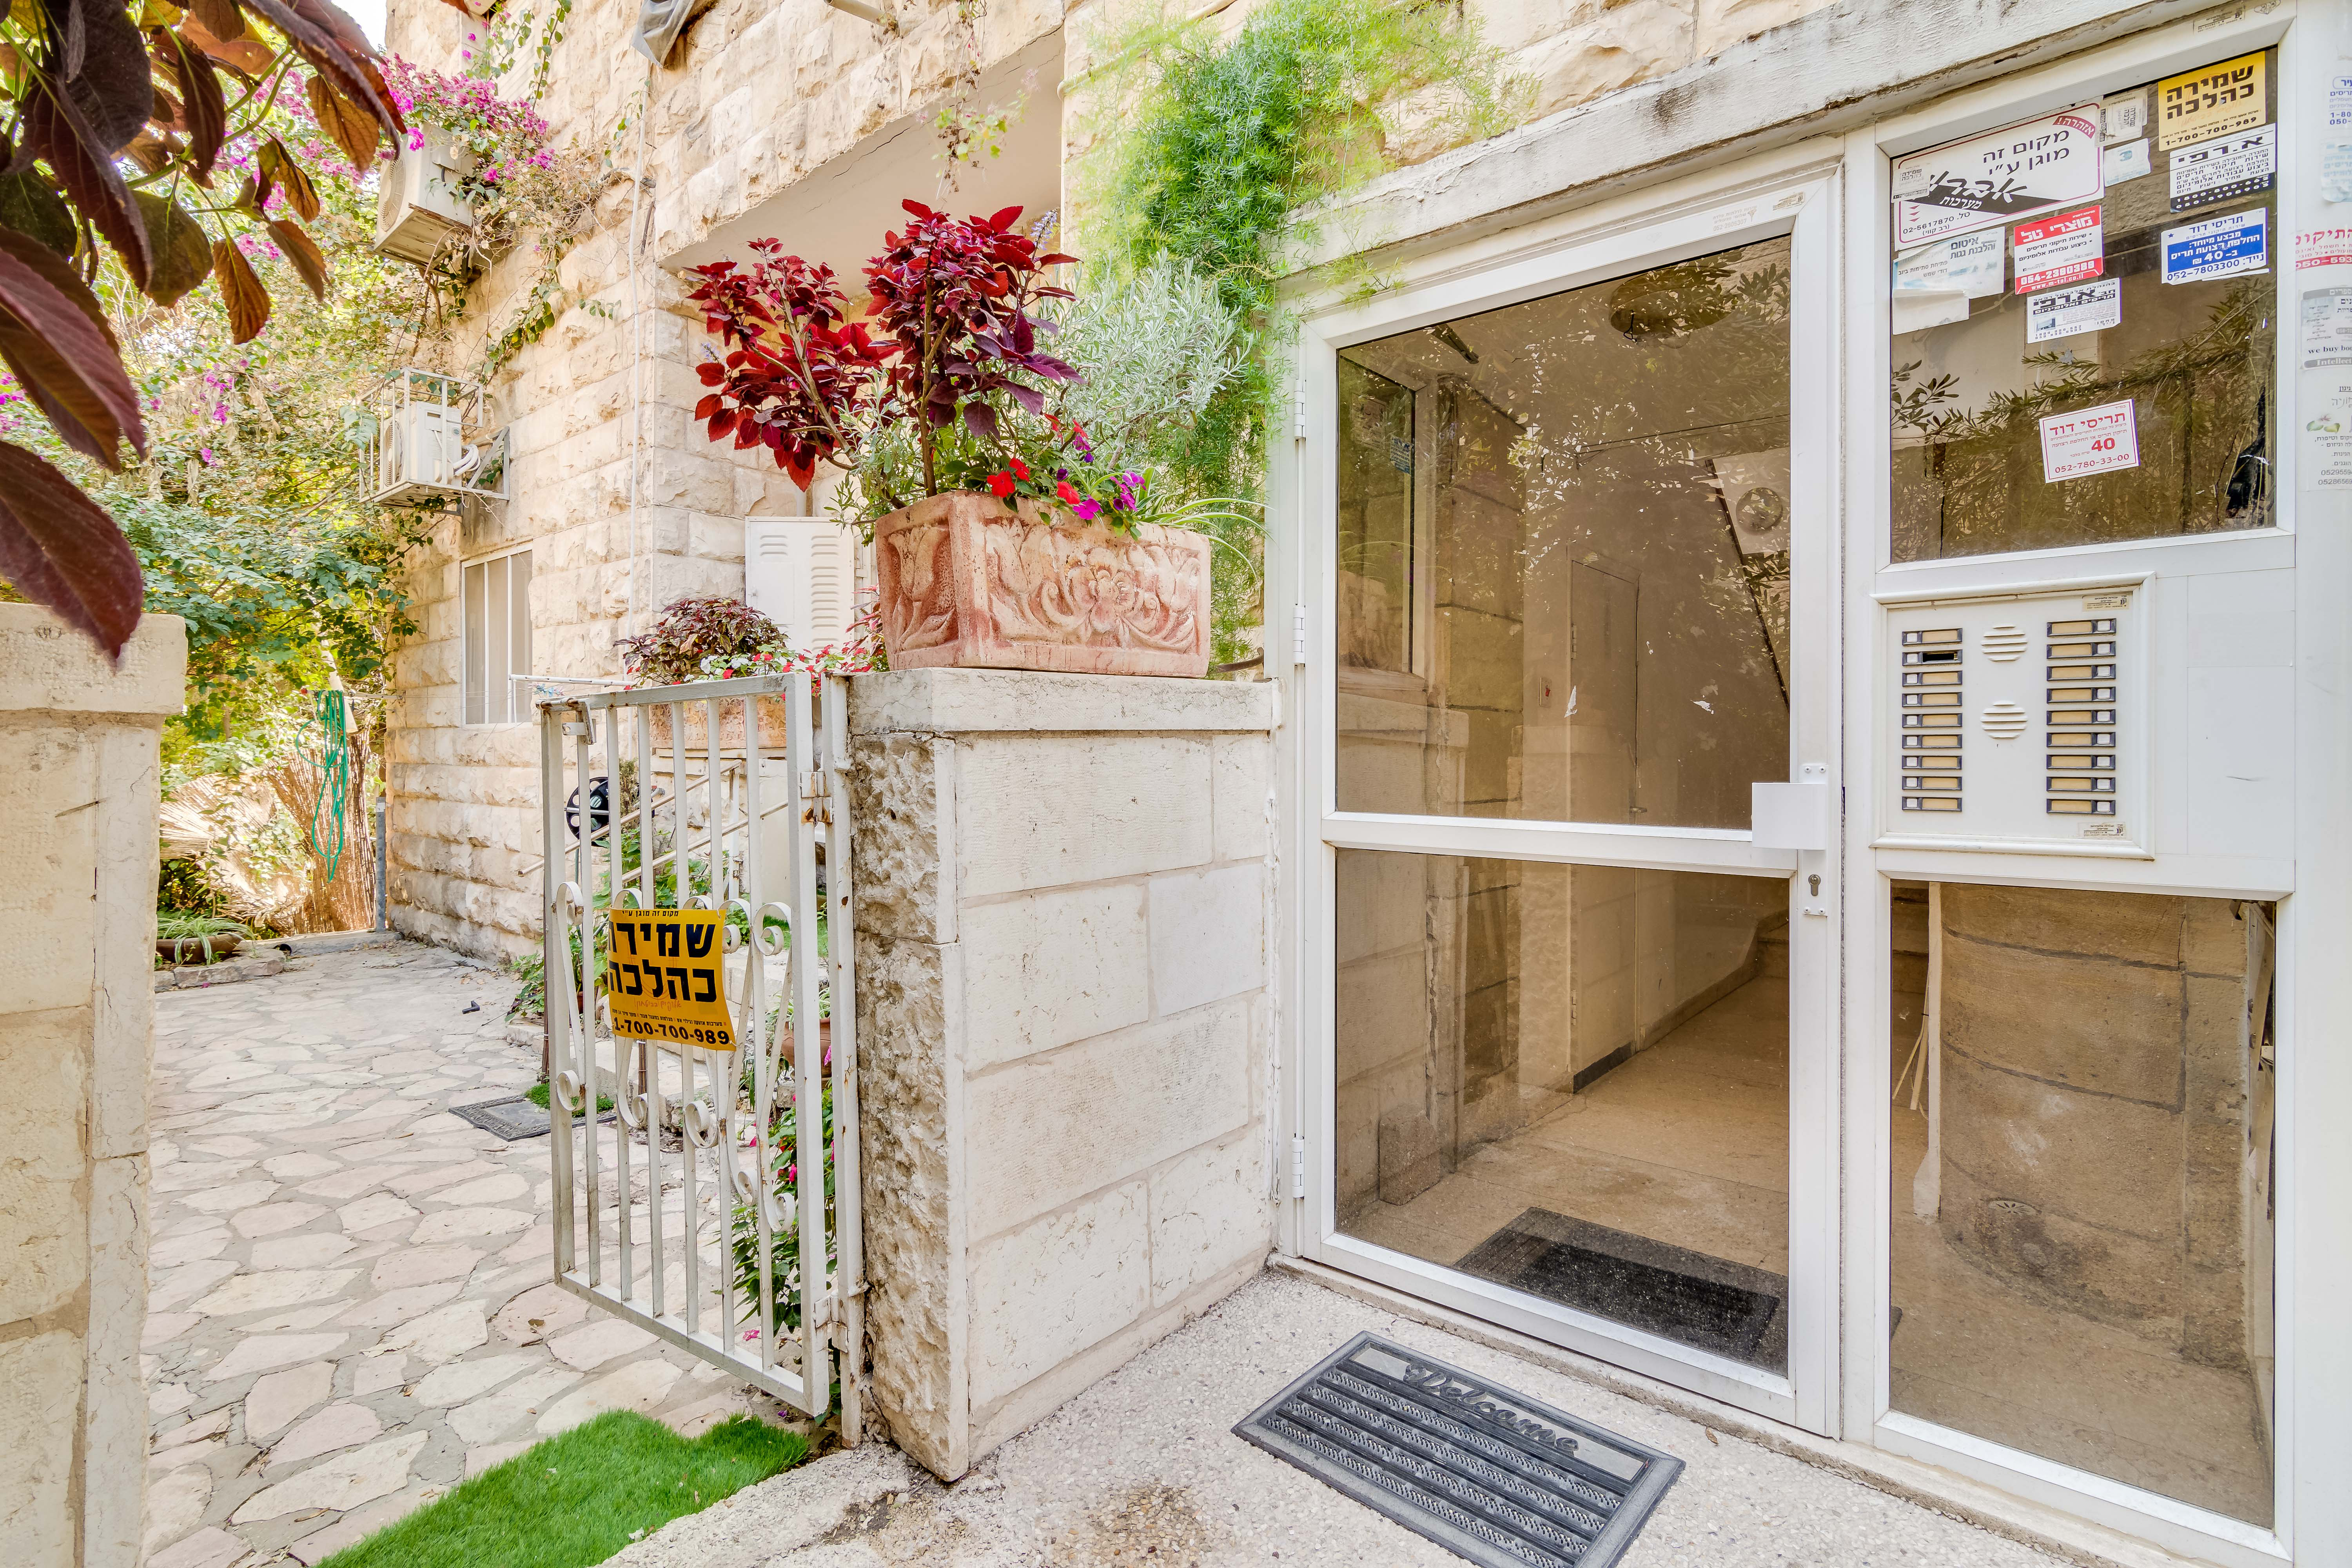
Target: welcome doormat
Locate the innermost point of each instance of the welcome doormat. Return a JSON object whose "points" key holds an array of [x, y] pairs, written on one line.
{"points": [[1492, 1476], [1708, 1303], [510, 1119]]}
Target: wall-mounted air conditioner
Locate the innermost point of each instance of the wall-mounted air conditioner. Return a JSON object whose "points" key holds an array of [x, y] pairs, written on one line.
{"points": [[419, 443], [417, 205]]}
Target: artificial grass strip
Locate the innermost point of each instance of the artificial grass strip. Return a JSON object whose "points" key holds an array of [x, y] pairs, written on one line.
{"points": [[537, 1095], [580, 1497]]}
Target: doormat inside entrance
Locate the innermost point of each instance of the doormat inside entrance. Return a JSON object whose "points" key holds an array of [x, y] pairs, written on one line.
{"points": [[1708, 1303], [1492, 1476], [510, 1119]]}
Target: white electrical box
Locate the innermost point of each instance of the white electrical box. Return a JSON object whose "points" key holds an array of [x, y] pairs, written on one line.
{"points": [[801, 574], [2019, 722]]}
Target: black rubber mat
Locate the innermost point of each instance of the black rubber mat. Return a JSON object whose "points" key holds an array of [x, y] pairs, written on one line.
{"points": [[1707, 1304], [510, 1119], [1492, 1476]]}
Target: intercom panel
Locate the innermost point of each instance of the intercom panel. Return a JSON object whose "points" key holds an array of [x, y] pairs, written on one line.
{"points": [[2018, 722]]}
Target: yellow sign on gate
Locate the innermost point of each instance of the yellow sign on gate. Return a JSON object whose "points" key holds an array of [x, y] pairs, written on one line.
{"points": [[666, 978]]}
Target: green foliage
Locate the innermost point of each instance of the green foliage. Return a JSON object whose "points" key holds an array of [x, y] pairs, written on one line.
{"points": [[784, 1254], [274, 598], [1205, 149], [579, 1498], [172, 925], [184, 889]]}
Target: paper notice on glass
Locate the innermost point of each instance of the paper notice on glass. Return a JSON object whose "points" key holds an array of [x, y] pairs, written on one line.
{"points": [[2326, 327], [2213, 100], [2322, 247], [1967, 264], [1916, 309], [2327, 441], [2089, 441], [2065, 248], [2091, 307], [2125, 116], [2223, 168], [2336, 151], [1998, 176], [2218, 248], [2126, 161]]}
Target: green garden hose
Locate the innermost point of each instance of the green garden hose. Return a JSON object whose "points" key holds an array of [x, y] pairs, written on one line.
{"points": [[334, 777]]}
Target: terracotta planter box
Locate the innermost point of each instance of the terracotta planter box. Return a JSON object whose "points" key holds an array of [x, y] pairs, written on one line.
{"points": [[774, 725], [968, 581]]}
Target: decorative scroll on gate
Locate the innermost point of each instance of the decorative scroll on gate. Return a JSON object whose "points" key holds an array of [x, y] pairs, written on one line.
{"points": [[711, 1196]]}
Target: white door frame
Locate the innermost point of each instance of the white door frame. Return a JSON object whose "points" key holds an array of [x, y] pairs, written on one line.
{"points": [[1794, 192], [1871, 578]]}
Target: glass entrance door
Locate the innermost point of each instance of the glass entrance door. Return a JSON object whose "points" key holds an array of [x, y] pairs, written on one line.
{"points": [[1567, 536]]}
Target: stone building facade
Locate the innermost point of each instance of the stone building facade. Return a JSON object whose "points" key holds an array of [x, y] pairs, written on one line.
{"points": [[2033, 1202], [807, 123]]}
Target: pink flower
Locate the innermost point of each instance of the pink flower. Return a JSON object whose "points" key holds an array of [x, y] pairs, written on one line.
{"points": [[1086, 510]]}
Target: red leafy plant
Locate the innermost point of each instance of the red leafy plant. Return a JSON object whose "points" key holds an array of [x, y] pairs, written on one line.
{"points": [[120, 115], [951, 325]]}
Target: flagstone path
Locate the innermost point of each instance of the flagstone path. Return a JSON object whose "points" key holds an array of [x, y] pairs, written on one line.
{"points": [[350, 1307]]}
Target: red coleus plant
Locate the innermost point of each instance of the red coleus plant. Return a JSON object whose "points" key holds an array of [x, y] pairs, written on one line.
{"points": [[951, 327]]}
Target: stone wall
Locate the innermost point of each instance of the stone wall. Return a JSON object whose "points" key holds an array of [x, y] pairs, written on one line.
{"points": [[78, 800], [2097, 1085], [1062, 1031]]}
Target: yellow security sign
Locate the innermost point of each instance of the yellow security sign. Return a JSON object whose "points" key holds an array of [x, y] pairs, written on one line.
{"points": [[665, 977]]}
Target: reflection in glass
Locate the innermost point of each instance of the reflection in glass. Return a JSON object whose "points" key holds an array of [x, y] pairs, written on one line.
{"points": [[2197, 361], [1563, 554], [1572, 1081], [2082, 1212]]}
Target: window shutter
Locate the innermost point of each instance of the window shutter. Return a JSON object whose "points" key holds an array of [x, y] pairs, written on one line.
{"points": [[801, 574]]}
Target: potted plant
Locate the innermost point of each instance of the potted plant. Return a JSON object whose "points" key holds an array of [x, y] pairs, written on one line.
{"points": [[1002, 540], [709, 639]]}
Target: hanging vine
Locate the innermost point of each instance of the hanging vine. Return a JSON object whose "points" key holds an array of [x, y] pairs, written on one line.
{"points": [[1205, 151]]}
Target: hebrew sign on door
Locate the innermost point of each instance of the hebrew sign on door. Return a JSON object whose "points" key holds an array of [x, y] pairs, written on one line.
{"points": [[665, 977]]}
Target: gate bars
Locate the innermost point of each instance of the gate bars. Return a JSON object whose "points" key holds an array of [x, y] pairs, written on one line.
{"points": [[706, 1173]]}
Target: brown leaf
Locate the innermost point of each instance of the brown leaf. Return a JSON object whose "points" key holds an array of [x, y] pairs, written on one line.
{"points": [[205, 114], [61, 550], [55, 342], [220, 19], [301, 254], [183, 255], [150, 152], [337, 50], [241, 292], [301, 193], [248, 57], [55, 129], [107, 82], [353, 128]]}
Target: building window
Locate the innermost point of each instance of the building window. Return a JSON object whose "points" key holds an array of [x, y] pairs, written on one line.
{"points": [[497, 604], [2086, 347]]}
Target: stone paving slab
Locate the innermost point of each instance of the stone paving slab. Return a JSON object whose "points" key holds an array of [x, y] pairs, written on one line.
{"points": [[352, 1305]]}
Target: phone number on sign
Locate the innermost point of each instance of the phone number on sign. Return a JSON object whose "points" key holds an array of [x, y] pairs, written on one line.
{"points": [[704, 1035]]}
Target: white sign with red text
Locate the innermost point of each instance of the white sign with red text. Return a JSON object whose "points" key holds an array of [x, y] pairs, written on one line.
{"points": [[1999, 176], [2065, 248], [2089, 441]]}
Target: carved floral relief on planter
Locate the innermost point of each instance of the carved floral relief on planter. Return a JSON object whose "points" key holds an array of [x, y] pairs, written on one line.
{"points": [[966, 581]]}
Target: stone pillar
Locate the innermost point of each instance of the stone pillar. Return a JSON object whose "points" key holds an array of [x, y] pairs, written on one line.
{"points": [[77, 858], [1064, 1029], [2097, 1079]]}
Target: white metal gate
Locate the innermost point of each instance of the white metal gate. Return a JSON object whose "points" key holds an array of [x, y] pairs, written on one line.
{"points": [[689, 1207]]}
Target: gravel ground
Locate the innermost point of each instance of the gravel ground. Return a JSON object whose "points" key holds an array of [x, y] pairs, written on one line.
{"points": [[1142, 1471]]}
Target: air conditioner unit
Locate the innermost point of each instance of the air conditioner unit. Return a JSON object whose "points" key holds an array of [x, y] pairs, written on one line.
{"points": [[417, 205], [416, 447], [801, 574]]}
